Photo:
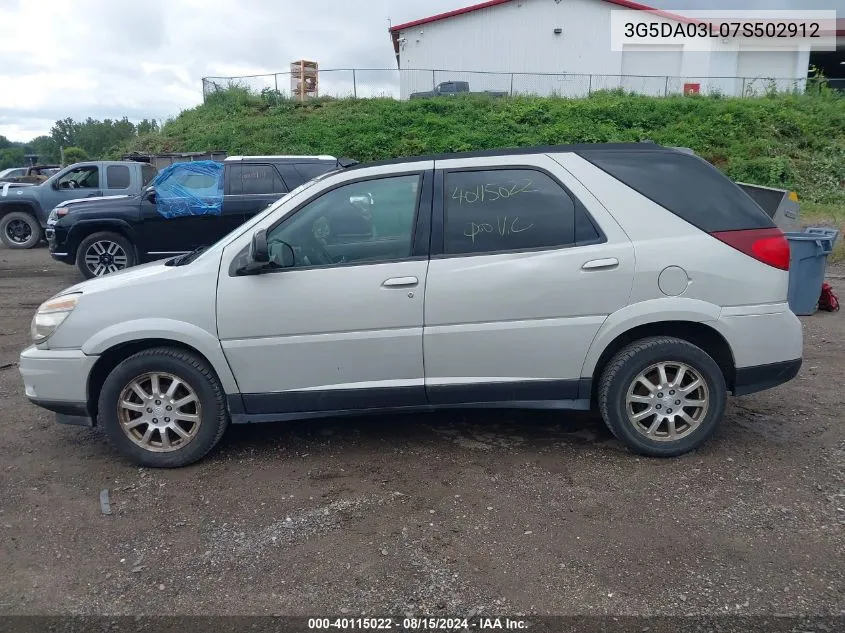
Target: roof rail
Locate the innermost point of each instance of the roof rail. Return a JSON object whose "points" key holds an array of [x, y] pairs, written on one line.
{"points": [[277, 156]]}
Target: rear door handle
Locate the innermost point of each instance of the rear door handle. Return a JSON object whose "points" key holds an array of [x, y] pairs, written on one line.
{"points": [[400, 282], [601, 264]]}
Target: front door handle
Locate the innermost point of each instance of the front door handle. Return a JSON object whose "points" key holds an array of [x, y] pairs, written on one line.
{"points": [[400, 282], [601, 264]]}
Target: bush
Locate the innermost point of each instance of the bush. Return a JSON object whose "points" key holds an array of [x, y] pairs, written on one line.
{"points": [[791, 141], [75, 155]]}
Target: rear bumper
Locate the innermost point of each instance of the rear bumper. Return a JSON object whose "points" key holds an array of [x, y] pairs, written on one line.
{"points": [[754, 379]]}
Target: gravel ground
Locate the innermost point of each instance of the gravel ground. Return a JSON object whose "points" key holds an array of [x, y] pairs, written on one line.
{"points": [[450, 513]]}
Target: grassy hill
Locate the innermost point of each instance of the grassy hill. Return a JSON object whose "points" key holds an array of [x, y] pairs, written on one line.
{"points": [[790, 141]]}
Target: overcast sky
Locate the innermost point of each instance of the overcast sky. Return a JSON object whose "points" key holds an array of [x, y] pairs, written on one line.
{"points": [[146, 58]]}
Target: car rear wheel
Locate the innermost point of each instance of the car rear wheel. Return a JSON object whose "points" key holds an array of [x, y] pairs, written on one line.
{"points": [[662, 396], [102, 253], [19, 230], [163, 408]]}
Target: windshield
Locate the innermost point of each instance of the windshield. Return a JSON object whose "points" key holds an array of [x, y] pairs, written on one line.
{"points": [[247, 226]]}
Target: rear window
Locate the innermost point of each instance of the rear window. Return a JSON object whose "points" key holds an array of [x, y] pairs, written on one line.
{"points": [[688, 186]]}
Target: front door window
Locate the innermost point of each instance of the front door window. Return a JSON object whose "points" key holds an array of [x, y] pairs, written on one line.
{"points": [[87, 177], [363, 222]]}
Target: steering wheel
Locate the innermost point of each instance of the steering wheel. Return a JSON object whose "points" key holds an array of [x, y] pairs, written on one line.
{"points": [[72, 184], [315, 250]]}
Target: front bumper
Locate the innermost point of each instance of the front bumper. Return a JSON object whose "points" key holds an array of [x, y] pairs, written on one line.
{"points": [[57, 244], [57, 380]]}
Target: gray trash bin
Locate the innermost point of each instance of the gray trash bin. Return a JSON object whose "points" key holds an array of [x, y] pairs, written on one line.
{"points": [[779, 204], [807, 262]]}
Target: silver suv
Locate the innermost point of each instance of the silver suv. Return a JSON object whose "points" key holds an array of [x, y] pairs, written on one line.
{"points": [[633, 279]]}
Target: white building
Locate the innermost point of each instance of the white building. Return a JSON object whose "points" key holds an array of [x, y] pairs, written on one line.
{"points": [[563, 47]]}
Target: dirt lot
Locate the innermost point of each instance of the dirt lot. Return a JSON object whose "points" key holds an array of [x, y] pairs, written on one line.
{"points": [[450, 513]]}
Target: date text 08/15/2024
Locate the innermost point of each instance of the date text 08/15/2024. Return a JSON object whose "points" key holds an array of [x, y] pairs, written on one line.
{"points": [[417, 624]]}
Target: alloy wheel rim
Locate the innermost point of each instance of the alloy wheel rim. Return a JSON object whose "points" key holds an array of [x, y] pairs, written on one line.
{"points": [[667, 401], [159, 412], [18, 231], [104, 257]]}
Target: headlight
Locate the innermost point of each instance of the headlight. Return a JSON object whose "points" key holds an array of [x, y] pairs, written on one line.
{"points": [[51, 314], [58, 212]]}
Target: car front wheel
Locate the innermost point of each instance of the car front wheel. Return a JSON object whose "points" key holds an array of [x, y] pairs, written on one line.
{"points": [[103, 253], [163, 408], [662, 396]]}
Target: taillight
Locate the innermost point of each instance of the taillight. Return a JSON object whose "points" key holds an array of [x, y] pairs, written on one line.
{"points": [[765, 245]]}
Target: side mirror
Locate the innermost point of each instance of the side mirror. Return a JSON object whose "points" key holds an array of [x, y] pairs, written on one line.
{"points": [[259, 253], [259, 258], [150, 194]]}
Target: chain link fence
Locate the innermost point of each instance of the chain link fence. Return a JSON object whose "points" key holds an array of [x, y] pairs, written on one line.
{"points": [[364, 83]]}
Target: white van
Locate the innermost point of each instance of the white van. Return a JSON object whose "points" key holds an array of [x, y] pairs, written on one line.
{"points": [[633, 279]]}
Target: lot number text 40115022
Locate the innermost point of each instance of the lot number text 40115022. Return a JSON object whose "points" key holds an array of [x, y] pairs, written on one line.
{"points": [[418, 624]]}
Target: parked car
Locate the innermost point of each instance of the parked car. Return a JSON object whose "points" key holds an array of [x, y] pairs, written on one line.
{"points": [[8, 175], [452, 88], [34, 175], [24, 208], [104, 236], [632, 279]]}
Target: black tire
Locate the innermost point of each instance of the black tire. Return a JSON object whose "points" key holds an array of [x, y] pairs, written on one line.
{"points": [[619, 376], [117, 253], [188, 368], [20, 230]]}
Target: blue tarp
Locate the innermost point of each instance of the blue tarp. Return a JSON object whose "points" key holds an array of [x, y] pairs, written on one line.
{"points": [[189, 189]]}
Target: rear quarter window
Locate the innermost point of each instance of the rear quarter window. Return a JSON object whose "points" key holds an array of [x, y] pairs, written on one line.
{"points": [[312, 170], [148, 173], [688, 186]]}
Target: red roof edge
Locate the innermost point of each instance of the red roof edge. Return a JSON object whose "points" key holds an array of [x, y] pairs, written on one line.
{"points": [[628, 4], [447, 14]]}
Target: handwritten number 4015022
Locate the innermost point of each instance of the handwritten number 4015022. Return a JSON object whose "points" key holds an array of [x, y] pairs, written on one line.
{"points": [[491, 192]]}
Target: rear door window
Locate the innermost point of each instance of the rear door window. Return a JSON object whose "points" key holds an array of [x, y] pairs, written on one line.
{"points": [[258, 179], [688, 186], [505, 210], [255, 179]]}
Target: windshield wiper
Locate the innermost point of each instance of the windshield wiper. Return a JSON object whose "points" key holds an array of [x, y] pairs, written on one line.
{"points": [[187, 258]]}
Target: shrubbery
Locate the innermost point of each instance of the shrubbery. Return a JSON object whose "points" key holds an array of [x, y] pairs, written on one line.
{"points": [[794, 141]]}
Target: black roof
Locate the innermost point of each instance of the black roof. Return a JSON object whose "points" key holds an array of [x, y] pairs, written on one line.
{"points": [[511, 151]]}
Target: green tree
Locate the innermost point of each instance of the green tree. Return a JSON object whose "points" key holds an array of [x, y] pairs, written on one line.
{"points": [[64, 132], [75, 155], [147, 126], [46, 148], [11, 157]]}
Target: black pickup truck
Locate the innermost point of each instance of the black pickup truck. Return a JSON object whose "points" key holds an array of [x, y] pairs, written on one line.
{"points": [[105, 235], [453, 88]]}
